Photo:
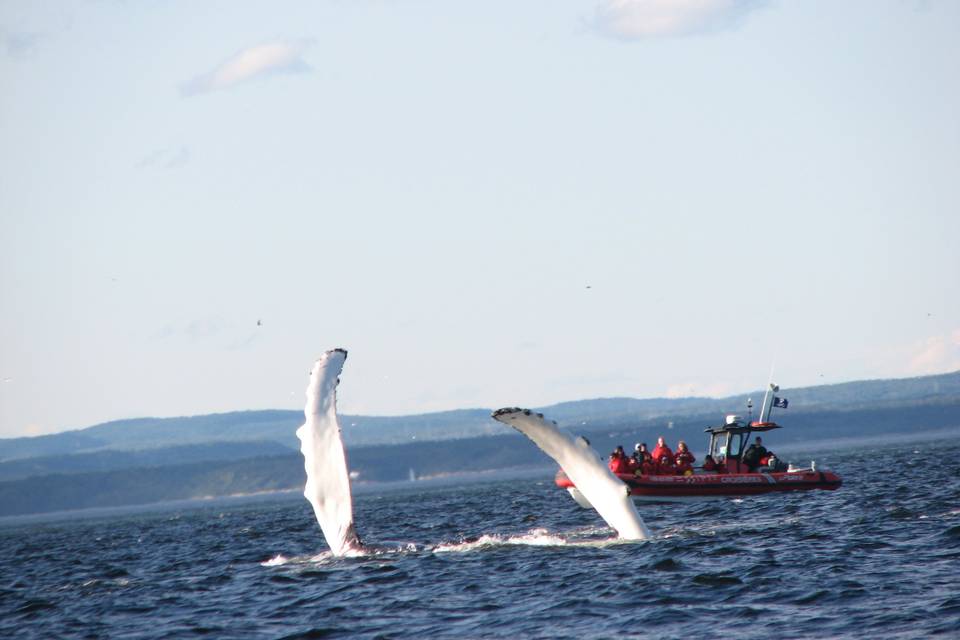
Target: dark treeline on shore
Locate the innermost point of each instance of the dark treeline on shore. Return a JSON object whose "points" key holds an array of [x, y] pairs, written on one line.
{"points": [[277, 426], [119, 478]]}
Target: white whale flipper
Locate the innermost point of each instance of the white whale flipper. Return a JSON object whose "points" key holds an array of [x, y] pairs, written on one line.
{"points": [[606, 493], [328, 485]]}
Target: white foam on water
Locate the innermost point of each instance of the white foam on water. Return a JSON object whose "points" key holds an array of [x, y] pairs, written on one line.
{"points": [[482, 541], [534, 538], [537, 538], [328, 557], [590, 537], [281, 560], [276, 561]]}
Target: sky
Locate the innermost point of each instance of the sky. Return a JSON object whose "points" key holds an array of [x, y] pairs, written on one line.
{"points": [[488, 204]]}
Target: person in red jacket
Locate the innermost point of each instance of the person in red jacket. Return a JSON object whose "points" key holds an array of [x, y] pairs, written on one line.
{"points": [[662, 450], [683, 468], [618, 462], [684, 454]]}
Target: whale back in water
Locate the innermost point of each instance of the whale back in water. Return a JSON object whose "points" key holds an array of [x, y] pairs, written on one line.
{"points": [[328, 485], [607, 493]]}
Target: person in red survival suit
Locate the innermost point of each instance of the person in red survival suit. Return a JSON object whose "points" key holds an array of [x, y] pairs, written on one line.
{"points": [[684, 454], [662, 450], [617, 463], [633, 464], [666, 467]]}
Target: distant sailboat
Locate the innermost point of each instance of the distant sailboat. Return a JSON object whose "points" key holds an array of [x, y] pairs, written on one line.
{"points": [[412, 475]]}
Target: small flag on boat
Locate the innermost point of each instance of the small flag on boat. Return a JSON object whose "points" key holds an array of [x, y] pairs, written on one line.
{"points": [[780, 403]]}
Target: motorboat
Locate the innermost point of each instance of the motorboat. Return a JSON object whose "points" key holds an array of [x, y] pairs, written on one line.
{"points": [[734, 476]]}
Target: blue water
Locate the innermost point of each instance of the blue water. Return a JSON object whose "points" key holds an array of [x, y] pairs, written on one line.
{"points": [[878, 558]]}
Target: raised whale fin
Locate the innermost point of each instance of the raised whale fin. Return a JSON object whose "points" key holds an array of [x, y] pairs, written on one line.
{"points": [[328, 485], [607, 493]]}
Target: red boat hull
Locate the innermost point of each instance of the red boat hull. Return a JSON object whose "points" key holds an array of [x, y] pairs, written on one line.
{"points": [[656, 488]]}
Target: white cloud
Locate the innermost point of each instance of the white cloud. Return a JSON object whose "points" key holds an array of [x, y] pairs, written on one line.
{"points": [[638, 19], [938, 354], [261, 60]]}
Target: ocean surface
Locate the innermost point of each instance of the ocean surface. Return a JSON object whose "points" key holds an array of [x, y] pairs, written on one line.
{"points": [[879, 558]]}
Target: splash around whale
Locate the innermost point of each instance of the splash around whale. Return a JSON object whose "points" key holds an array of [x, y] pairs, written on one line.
{"points": [[328, 481]]}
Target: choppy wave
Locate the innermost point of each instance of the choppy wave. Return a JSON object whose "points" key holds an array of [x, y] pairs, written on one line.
{"points": [[878, 558]]}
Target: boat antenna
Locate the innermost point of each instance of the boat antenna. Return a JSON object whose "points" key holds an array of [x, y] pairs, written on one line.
{"points": [[767, 395]]}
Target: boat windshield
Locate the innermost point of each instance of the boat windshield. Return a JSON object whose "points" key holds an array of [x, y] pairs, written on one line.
{"points": [[737, 441], [719, 448], [728, 445]]}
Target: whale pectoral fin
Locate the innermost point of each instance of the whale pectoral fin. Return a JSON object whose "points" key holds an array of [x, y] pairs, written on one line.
{"points": [[324, 459], [604, 491]]}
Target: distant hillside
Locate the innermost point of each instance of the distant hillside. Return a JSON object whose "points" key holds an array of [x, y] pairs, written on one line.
{"points": [[847, 396], [278, 427], [247, 426], [186, 478], [111, 460], [873, 394]]}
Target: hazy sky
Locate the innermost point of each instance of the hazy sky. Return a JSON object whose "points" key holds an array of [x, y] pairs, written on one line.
{"points": [[487, 203]]}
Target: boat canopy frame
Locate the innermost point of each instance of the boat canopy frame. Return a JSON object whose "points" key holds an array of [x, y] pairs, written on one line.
{"points": [[729, 441]]}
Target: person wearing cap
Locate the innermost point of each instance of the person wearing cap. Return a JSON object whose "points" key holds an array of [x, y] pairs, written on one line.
{"points": [[641, 453], [754, 454]]}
